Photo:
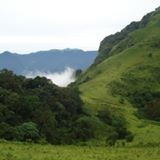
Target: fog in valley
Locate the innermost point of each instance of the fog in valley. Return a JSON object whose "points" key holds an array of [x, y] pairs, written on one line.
{"points": [[62, 79]]}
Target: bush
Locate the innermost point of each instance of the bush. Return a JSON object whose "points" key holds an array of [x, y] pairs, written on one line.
{"points": [[112, 138], [129, 137], [105, 115], [121, 100], [83, 128], [28, 131], [119, 124], [150, 55], [8, 132]]}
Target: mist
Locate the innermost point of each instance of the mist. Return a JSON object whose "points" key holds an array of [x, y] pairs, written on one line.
{"points": [[61, 79]]}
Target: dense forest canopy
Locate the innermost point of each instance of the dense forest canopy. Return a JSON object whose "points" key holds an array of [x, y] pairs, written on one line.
{"points": [[37, 110]]}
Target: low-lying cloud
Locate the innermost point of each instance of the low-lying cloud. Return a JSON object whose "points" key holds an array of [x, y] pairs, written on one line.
{"points": [[62, 79]]}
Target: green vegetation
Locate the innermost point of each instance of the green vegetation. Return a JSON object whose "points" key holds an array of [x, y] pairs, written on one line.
{"points": [[118, 129], [36, 109], [120, 41], [125, 80], [116, 118], [19, 151], [133, 87]]}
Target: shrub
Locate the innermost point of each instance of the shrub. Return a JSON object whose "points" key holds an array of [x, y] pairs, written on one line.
{"points": [[105, 115], [129, 137], [119, 124], [121, 100], [112, 138], [150, 55], [8, 132], [83, 128], [28, 131]]}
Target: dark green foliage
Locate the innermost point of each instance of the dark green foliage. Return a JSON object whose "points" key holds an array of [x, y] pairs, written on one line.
{"points": [[150, 55], [152, 109], [118, 123], [37, 109], [105, 115], [121, 100], [10, 81], [84, 80], [32, 109], [28, 131], [83, 128], [140, 91], [112, 138], [129, 137], [8, 132], [155, 42], [78, 72]]}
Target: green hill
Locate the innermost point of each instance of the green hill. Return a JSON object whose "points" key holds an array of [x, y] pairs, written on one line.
{"points": [[125, 79]]}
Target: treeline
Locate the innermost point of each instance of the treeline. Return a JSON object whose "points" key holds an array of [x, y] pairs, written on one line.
{"points": [[37, 110]]}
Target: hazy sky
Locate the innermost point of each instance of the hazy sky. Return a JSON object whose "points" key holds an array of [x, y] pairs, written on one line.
{"points": [[32, 25]]}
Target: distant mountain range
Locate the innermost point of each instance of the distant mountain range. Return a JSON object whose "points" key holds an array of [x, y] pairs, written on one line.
{"points": [[47, 61]]}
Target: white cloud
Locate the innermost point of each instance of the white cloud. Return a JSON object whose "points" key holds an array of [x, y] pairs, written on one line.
{"points": [[61, 79]]}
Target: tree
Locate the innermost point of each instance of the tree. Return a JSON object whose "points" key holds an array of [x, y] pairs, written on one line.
{"points": [[112, 138], [105, 115], [37, 108], [83, 128], [8, 132], [28, 131]]}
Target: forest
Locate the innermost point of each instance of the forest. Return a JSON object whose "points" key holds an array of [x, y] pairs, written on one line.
{"points": [[36, 110]]}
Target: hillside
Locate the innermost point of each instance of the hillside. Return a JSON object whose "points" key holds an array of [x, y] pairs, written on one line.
{"points": [[125, 79], [47, 61]]}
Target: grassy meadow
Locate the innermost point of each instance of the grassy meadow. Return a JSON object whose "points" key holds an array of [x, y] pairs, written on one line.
{"points": [[20, 151]]}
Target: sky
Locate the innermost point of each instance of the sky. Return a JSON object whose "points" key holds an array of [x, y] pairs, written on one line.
{"points": [[33, 25]]}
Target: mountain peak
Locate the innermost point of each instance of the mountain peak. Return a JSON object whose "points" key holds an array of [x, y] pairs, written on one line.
{"points": [[109, 43], [7, 53]]}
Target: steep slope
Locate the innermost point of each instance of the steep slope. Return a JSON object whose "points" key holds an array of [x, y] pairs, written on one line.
{"points": [[47, 61], [109, 44], [125, 72]]}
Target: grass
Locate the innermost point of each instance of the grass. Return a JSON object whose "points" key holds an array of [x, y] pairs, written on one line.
{"points": [[96, 91], [19, 151]]}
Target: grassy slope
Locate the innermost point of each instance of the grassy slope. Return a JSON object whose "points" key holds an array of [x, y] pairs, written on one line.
{"points": [[19, 151], [96, 93]]}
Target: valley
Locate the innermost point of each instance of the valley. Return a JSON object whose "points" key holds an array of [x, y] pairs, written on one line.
{"points": [[111, 111]]}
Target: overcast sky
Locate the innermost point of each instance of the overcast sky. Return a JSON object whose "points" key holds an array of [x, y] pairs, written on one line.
{"points": [[32, 25]]}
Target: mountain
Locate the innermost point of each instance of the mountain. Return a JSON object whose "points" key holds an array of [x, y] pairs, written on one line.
{"points": [[47, 61], [120, 95], [125, 80]]}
